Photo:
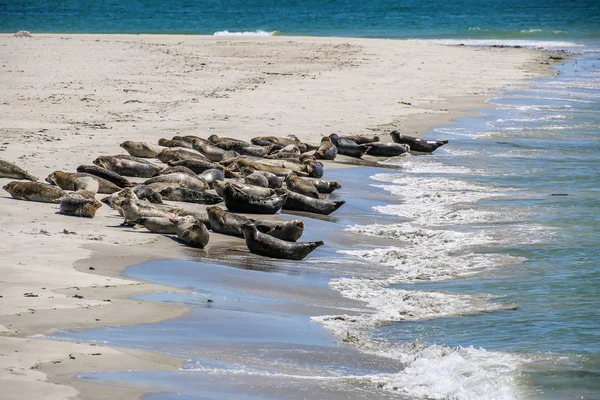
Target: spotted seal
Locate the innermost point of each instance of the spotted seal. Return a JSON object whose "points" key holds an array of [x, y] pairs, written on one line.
{"points": [[300, 202], [177, 168], [190, 196], [180, 153], [132, 211], [193, 234], [212, 175], [208, 149], [252, 190], [79, 206], [269, 246], [296, 184], [66, 181], [190, 182], [174, 143], [35, 191], [417, 144], [347, 147], [385, 149], [104, 173], [327, 150], [145, 192], [127, 167], [237, 200], [361, 139], [324, 186], [86, 186], [10, 170], [228, 223], [141, 149], [163, 224], [256, 179], [240, 146]]}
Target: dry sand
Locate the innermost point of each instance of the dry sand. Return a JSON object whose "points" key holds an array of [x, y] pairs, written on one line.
{"points": [[65, 99]]}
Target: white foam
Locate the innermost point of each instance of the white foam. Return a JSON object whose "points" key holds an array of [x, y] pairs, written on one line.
{"points": [[255, 33], [502, 42]]}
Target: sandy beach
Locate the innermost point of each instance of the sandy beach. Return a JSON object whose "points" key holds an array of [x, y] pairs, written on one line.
{"points": [[67, 99]]}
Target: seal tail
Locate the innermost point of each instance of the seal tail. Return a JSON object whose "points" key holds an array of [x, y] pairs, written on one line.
{"points": [[338, 204]]}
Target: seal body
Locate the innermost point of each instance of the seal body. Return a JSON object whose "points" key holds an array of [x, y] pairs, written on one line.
{"points": [[361, 139], [178, 154], [104, 173], [198, 166], [141, 149], [300, 202], [133, 211], [417, 144], [256, 179], [269, 246], [296, 184], [127, 167], [66, 181], [79, 206], [10, 170], [239, 201], [190, 182], [163, 224], [145, 192], [212, 175], [327, 150], [193, 234], [174, 143], [243, 148], [178, 168], [253, 190], [385, 149], [228, 223], [35, 191], [190, 196], [208, 149], [347, 147], [324, 186]]}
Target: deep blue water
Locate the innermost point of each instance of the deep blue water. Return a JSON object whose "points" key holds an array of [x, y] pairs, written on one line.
{"points": [[470, 19]]}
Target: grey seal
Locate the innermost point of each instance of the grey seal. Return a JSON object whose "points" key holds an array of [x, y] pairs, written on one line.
{"points": [[256, 179], [177, 168], [347, 147], [10, 170], [190, 196], [243, 148], [79, 206], [417, 144], [253, 190], [86, 186], [145, 192], [180, 153], [191, 182], [208, 149], [228, 223], [174, 143], [127, 167], [239, 201], [193, 234], [66, 181], [212, 175], [361, 139], [269, 246], [324, 186], [327, 150], [300, 202], [385, 149], [35, 191], [132, 211], [163, 224], [141, 149], [104, 173], [296, 184]]}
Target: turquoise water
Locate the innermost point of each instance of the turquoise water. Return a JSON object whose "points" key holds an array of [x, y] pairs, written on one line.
{"points": [[531, 19]]}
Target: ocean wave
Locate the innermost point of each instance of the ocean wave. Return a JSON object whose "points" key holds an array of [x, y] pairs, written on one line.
{"points": [[255, 33], [549, 45]]}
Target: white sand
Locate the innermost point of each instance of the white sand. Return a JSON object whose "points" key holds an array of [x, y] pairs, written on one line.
{"points": [[65, 99]]}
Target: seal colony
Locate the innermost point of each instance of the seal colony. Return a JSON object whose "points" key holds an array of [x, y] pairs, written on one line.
{"points": [[264, 176]]}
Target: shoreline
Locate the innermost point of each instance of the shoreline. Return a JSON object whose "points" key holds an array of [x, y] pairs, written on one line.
{"points": [[56, 308]]}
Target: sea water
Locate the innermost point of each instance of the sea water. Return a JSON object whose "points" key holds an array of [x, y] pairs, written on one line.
{"points": [[479, 262]]}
